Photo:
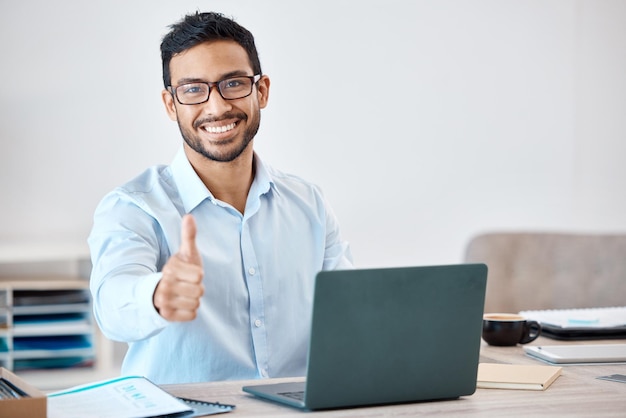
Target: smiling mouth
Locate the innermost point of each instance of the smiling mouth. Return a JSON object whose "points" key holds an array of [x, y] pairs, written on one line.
{"points": [[219, 129]]}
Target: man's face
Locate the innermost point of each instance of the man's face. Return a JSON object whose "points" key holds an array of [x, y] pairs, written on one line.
{"points": [[218, 129]]}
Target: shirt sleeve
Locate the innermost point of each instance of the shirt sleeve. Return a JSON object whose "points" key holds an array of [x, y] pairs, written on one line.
{"points": [[126, 258], [337, 254]]}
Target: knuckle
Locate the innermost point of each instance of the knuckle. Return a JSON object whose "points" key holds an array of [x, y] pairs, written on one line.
{"points": [[167, 270], [166, 313], [159, 300]]}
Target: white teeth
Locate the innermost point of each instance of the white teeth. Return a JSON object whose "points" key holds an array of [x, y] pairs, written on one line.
{"points": [[219, 129]]}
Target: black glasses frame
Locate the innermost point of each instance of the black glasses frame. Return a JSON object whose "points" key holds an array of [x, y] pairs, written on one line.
{"points": [[253, 78]]}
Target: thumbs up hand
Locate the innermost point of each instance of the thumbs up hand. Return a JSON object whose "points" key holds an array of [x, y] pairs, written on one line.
{"points": [[177, 296], [188, 250]]}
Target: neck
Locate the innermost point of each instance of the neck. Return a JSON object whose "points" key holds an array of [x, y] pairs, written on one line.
{"points": [[228, 181]]}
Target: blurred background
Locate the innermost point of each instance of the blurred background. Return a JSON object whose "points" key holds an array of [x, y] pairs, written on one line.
{"points": [[425, 122]]}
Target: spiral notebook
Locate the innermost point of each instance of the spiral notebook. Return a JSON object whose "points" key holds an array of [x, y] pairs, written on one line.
{"points": [[203, 408], [581, 324]]}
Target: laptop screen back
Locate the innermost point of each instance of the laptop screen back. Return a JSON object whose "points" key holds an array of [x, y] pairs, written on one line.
{"points": [[395, 335]]}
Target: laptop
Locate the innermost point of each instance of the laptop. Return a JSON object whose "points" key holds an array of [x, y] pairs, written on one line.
{"points": [[389, 335]]}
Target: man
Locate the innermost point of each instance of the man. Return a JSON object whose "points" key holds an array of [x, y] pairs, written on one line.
{"points": [[206, 266]]}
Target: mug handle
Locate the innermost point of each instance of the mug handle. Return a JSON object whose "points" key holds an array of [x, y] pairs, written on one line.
{"points": [[532, 329]]}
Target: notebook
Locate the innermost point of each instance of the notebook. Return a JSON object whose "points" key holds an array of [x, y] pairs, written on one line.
{"points": [[581, 324], [389, 335], [516, 376]]}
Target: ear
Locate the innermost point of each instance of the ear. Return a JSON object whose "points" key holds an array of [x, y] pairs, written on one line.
{"points": [[263, 91], [170, 106]]}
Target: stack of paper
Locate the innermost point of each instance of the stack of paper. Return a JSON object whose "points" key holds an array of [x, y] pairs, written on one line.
{"points": [[578, 318]]}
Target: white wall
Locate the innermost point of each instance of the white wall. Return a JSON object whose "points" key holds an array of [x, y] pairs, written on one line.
{"points": [[454, 117]]}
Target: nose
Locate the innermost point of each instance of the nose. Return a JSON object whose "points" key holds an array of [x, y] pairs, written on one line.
{"points": [[216, 105]]}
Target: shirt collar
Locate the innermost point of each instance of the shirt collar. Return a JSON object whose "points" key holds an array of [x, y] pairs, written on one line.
{"points": [[193, 191], [262, 178]]}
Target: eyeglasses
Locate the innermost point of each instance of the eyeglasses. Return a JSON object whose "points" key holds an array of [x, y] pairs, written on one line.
{"points": [[229, 88]]}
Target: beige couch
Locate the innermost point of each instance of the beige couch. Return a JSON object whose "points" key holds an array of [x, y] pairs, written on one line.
{"points": [[541, 270]]}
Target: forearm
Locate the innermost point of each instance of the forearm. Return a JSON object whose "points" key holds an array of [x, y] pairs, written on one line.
{"points": [[126, 254], [123, 306]]}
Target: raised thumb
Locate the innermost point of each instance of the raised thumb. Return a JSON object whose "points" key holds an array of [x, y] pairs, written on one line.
{"points": [[188, 249]]}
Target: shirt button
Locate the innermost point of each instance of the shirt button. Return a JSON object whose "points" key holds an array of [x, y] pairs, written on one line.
{"points": [[252, 271], [264, 373], [257, 323]]}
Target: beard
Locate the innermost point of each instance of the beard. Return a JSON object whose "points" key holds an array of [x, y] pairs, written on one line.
{"points": [[229, 154]]}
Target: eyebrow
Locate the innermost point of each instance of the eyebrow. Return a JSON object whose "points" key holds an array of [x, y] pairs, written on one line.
{"points": [[236, 73]]}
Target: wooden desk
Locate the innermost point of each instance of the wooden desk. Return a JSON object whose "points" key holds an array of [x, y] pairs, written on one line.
{"points": [[576, 392]]}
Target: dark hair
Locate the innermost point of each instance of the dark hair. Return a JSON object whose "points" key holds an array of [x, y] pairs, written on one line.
{"points": [[194, 29]]}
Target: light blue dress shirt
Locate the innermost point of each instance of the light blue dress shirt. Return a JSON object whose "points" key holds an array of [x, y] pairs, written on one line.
{"points": [[259, 271]]}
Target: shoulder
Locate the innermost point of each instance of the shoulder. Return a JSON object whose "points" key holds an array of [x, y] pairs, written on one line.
{"points": [[155, 177], [292, 191], [287, 181], [147, 190]]}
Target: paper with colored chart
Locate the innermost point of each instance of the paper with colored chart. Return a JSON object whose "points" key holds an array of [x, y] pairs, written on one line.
{"points": [[124, 397]]}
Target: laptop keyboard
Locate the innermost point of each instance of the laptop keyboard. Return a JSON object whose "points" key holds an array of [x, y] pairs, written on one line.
{"points": [[299, 395]]}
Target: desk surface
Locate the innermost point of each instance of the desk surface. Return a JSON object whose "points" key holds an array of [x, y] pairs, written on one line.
{"points": [[576, 392]]}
